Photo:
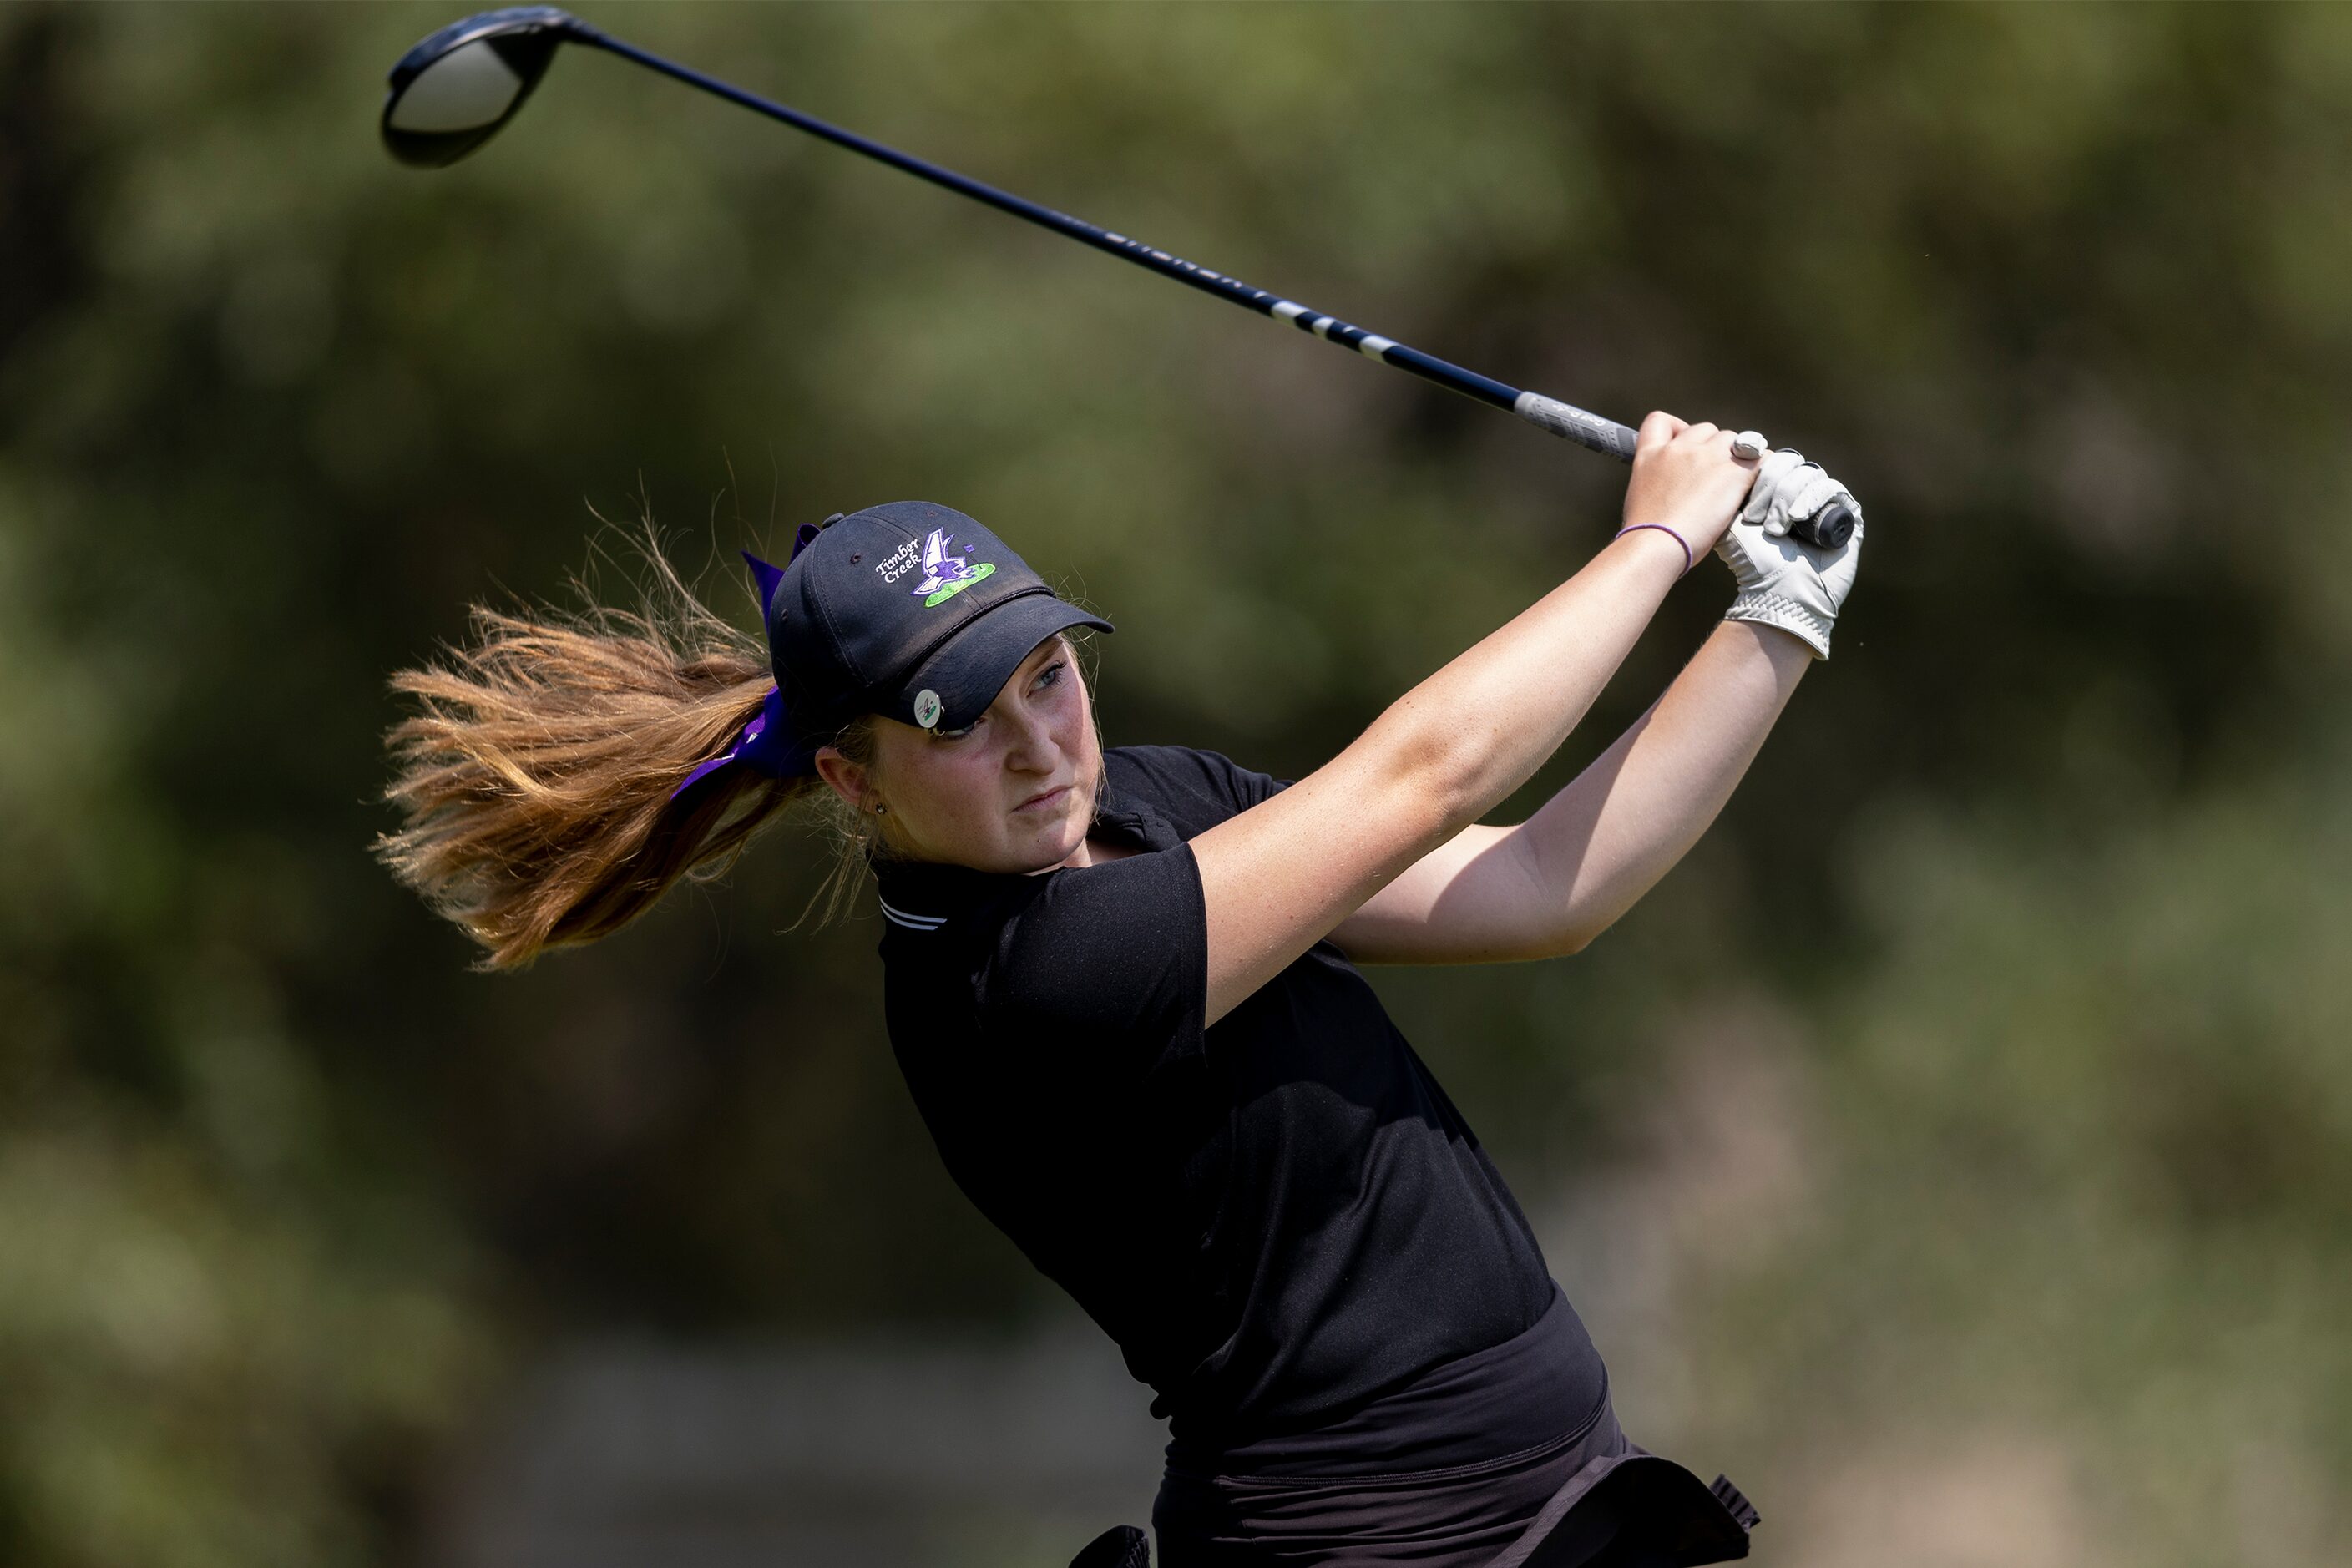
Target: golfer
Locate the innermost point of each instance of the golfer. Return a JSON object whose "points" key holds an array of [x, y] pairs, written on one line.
{"points": [[1122, 985]]}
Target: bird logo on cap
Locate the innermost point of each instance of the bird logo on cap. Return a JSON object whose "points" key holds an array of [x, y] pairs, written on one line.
{"points": [[945, 576]]}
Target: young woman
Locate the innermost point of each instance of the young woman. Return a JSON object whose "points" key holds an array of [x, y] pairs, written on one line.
{"points": [[1121, 984]]}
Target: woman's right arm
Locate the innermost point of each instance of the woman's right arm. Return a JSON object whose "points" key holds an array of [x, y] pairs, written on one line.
{"points": [[1279, 877]]}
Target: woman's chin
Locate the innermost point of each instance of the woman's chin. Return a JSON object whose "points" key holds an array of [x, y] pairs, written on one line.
{"points": [[1048, 847]]}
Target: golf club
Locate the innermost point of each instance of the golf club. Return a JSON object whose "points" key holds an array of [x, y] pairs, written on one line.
{"points": [[455, 89]]}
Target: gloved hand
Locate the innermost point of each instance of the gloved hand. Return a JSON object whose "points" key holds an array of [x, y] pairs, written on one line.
{"points": [[1782, 583]]}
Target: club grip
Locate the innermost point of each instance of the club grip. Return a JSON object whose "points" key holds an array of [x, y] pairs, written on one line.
{"points": [[1827, 528]]}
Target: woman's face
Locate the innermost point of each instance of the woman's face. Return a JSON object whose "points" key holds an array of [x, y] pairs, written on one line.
{"points": [[1015, 792]]}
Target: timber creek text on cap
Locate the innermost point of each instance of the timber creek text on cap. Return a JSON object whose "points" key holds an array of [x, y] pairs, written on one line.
{"points": [[908, 610]]}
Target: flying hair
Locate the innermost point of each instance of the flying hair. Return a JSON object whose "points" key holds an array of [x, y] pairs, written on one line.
{"points": [[534, 773]]}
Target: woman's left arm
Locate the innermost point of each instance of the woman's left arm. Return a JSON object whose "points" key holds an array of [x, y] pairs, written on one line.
{"points": [[1551, 885]]}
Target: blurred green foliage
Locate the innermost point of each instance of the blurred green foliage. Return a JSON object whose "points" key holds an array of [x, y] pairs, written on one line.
{"points": [[2042, 889]]}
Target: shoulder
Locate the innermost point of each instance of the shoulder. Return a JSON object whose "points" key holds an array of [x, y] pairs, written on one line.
{"points": [[1089, 943], [1098, 946], [1194, 789]]}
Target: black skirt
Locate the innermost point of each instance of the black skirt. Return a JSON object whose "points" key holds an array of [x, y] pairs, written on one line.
{"points": [[1585, 1500], [1511, 1458]]}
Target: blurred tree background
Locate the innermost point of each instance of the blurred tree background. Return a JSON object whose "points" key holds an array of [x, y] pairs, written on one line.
{"points": [[1958, 1150]]}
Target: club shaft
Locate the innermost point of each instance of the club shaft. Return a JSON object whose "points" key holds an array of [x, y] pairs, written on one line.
{"points": [[1560, 418]]}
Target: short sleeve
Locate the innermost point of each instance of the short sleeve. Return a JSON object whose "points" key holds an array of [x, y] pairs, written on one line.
{"points": [[1196, 790], [1106, 968]]}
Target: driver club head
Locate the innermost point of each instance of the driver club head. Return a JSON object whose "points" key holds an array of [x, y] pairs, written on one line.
{"points": [[454, 90]]}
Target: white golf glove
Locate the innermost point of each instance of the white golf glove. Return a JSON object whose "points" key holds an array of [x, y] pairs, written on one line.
{"points": [[1782, 583]]}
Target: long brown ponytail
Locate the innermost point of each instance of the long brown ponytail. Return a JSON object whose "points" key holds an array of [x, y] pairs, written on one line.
{"points": [[534, 775]]}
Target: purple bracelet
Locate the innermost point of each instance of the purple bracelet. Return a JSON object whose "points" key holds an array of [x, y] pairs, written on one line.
{"points": [[1688, 560]]}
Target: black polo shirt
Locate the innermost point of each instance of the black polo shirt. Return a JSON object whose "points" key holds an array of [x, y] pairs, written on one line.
{"points": [[1280, 1220]]}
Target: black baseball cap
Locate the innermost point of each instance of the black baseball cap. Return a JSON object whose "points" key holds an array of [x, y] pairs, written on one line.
{"points": [[909, 609]]}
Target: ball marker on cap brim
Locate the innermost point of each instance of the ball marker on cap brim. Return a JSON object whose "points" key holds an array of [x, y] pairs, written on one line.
{"points": [[927, 708]]}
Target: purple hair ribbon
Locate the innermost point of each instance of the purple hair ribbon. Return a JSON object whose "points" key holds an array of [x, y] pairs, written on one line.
{"points": [[765, 745], [801, 538]]}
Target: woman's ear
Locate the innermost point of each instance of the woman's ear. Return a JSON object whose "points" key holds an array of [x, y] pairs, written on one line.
{"points": [[845, 778]]}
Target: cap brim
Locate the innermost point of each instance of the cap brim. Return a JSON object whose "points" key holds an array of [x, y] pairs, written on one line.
{"points": [[970, 668]]}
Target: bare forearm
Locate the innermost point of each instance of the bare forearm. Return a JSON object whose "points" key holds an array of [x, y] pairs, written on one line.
{"points": [[1444, 753], [1277, 878], [1473, 732], [1608, 837]]}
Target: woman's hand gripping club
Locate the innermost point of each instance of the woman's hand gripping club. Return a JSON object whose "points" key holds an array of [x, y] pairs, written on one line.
{"points": [[1784, 582], [1687, 483]]}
